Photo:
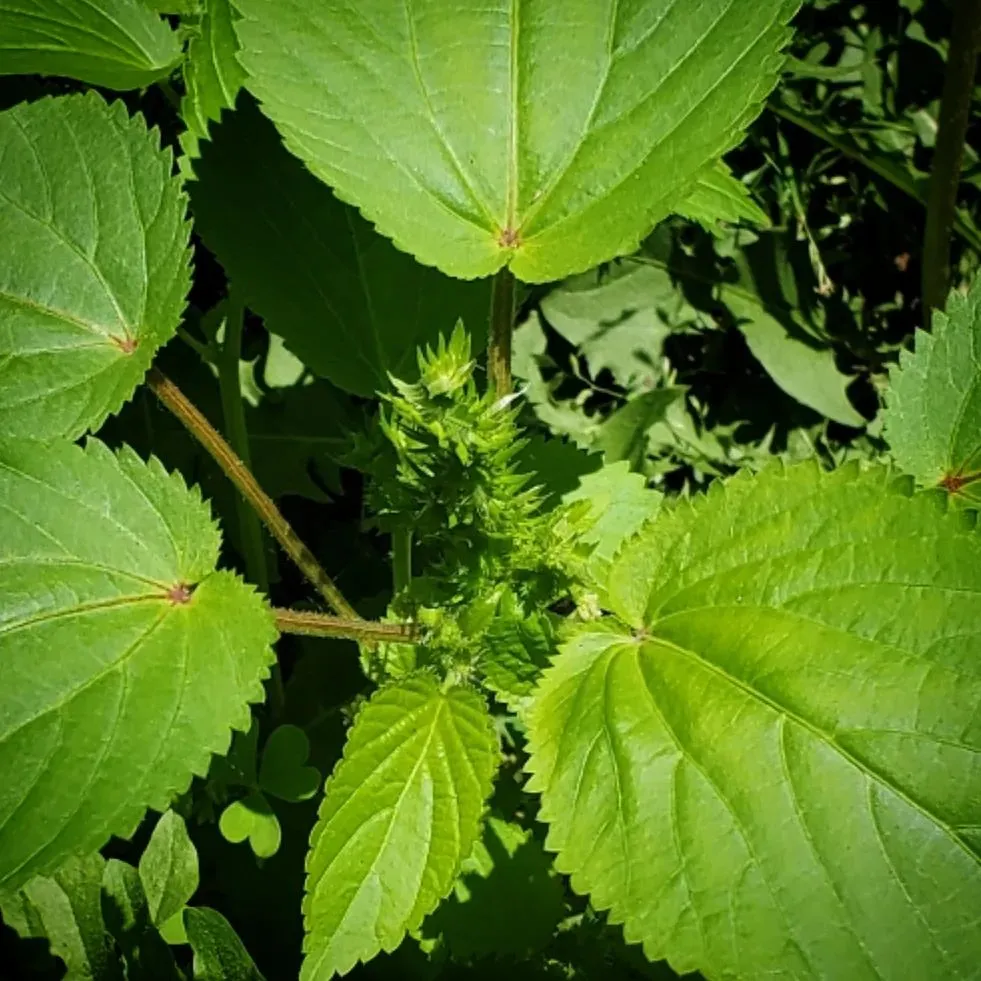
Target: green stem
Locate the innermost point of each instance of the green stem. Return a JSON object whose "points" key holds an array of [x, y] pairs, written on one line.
{"points": [[322, 625], [240, 475], [401, 558], [948, 154], [233, 410], [503, 294]]}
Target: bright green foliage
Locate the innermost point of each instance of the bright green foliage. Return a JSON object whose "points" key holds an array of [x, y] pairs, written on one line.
{"points": [[718, 196], [168, 869], [620, 504], [212, 76], [65, 909], [98, 277], [219, 955], [119, 44], [125, 658], [549, 137], [401, 813], [507, 901], [252, 819], [346, 301], [514, 650], [770, 764], [933, 414], [283, 772]]}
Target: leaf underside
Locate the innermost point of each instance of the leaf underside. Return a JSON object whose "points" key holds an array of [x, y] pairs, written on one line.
{"points": [[769, 765], [547, 136], [933, 410], [99, 275], [125, 658], [401, 813], [119, 44]]}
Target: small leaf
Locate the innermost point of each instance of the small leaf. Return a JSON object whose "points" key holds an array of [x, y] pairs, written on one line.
{"points": [[125, 658], [118, 44], [515, 651], [66, 910], [550, 137], [718, 196], [401, 812], [219, 955], [98, 280], [212, 76], [624, 435], [344, 299], [169, 868], [124, 906], [507, 901], [769, 764], [283, 773], [254, 819], [933, 413]]}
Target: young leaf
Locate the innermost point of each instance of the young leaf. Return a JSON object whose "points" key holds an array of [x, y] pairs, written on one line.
{"points": [[168, 868], [98, 278], [118, 44], [284, 772], [770, 765], [718, 196], [219, 955], [346, 301], [550, 138], [65, 909], [254, 819], [212, 76], [507, 901], [933, 411], [125, 658], [401, 812], [514, 652], [624, 435]]}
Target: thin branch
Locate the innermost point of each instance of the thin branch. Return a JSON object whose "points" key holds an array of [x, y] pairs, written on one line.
{"points": [[503, 293], [240, 475], [322, 625], [948, 154]]}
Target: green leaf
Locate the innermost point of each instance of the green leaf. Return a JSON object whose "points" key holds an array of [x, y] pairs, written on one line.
{"points": [[125, 658], [66, 910], [933, 410], [770, 764], [718, 196], [401, 812], [621, 503], [254, 819], [624, 435], [219, 955], [118, 44], [169, 868], [507, 901], [212, 76], [99, 277], [618, 320], [346, 301], [514, 652], [550, 138], [283, 772], [124, 906]]}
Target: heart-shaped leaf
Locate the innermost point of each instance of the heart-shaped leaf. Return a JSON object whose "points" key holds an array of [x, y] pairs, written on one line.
{"points": [[283, 772], [252, 818], [99, 275], [549, 136], [125, 658]]}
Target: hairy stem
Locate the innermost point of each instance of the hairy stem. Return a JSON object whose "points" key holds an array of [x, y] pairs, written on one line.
{"points": [[948, 154], [240, 475], [503, 293], [322, 625], [233, 411]]}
